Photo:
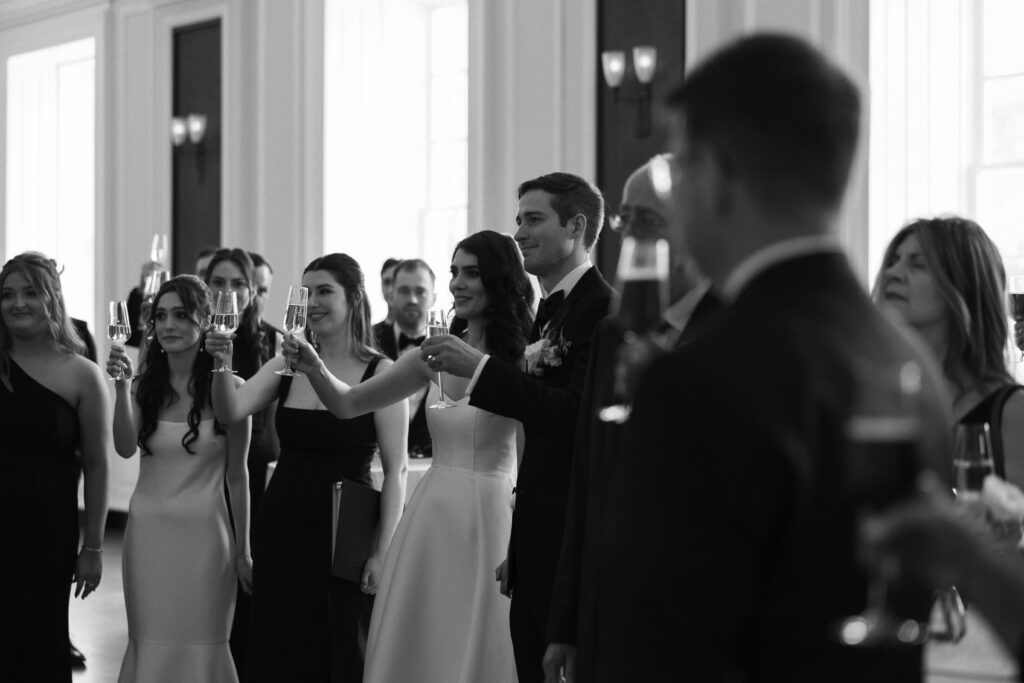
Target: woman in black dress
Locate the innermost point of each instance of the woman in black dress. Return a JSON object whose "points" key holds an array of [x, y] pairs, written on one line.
{"points": [[306, 624], [53, 402]]}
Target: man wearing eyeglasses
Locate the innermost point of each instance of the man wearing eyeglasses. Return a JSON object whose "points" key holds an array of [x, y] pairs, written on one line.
{"points": [[644, 214]]}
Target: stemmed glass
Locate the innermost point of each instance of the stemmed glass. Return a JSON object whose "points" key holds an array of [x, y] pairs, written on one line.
{"points": [[642, 278], [437, 324], [295, 321], [158, 250], [1015, 300], [225, 321], [881, 466], [119, 327], [154, 281]]}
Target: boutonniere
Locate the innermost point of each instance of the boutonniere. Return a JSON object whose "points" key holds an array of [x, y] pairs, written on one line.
{"points": [[546, 352]]}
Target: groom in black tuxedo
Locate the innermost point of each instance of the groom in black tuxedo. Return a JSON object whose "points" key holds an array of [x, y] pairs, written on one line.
{"points": [[559, 218], [733, 522]]}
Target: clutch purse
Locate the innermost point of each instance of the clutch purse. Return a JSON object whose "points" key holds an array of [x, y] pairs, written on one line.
{"points": [[355, 517]]}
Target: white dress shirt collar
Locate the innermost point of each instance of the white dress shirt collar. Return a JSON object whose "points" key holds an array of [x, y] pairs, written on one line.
{"points": [[571, 278], [762, 259]]}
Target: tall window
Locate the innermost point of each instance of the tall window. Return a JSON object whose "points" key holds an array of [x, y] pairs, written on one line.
{"points": [[50, 169], [947, 118], [395, 132]]}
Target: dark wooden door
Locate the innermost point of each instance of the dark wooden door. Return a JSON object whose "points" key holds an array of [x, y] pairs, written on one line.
{"points": [[621, 26], [197, 179]]}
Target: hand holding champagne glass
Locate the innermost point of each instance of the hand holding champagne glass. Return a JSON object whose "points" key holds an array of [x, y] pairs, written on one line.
{"points": [[225, 321], [119, 327], [295, 320], [437, 325], [642, 279]]}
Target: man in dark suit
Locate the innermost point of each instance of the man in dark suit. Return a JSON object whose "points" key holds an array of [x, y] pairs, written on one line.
{"points": [[412, 296], [644, 214], [731, 547], [559, 218]]}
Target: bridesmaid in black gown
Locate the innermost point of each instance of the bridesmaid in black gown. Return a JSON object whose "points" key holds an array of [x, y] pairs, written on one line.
{"points": [[307, 625], [53, 402]]}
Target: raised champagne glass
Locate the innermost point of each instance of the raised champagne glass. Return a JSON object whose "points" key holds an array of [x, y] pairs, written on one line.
{"points": [[437, 324], [881, 465], [158, 249], [225, 321], [154, 281], [642, 279], [295, 320], [119, 327], [1015, 302]]}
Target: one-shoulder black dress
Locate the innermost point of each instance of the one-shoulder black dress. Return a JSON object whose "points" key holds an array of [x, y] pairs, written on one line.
{"points": [[306, 624], [39, 467]]}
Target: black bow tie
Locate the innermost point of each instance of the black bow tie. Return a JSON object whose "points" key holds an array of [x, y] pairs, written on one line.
{"points": [[405, 340], [547, 307]]}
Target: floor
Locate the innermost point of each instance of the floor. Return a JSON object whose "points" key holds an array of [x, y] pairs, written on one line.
{"points": [[99, 630]]}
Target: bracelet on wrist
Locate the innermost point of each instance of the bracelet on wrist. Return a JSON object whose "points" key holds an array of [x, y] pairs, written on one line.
{"points": [[92, 550]]}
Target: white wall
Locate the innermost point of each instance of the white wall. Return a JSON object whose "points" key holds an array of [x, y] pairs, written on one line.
{"points": [[840, 28]]}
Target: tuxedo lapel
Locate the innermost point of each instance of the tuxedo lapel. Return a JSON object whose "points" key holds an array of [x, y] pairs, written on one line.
{"points": [[581, 288]]}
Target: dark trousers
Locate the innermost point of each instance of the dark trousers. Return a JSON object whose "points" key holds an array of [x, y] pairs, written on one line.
{"points": [[528, 621]]}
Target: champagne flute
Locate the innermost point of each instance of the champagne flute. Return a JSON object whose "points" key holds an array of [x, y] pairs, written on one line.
{"points": [[158, 249], [1015, 300], [119, 327], [437, 325], [295, 320], [881, 466], [225, 321], [642, 278], [154, 281]]}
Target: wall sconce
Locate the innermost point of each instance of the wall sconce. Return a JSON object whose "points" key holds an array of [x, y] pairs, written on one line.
{"points": [[645, 64], [191, 128]]}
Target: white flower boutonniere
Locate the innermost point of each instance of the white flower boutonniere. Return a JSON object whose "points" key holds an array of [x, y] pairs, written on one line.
{"points": [[547, 352]]}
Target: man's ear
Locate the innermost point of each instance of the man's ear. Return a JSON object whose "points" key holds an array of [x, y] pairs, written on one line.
{"points": [[578, 225]]}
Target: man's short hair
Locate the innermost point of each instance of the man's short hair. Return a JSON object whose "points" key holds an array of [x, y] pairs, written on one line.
{"points": [[779, 113], [388, 264], [572, 195], [412, 265], [258, 260]]}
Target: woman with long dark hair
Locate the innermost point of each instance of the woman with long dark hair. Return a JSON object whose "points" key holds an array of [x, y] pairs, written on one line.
{"points": [[439, 616], [53, 402], [182, 555], [306, 624]]}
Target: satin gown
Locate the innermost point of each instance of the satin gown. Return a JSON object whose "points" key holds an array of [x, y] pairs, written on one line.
{"points": [[439, 617], [39, 434], [179, 572], [307, 625]]}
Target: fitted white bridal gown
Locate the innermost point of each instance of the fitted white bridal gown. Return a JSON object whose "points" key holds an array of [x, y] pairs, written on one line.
{"points": [[438, 615]]}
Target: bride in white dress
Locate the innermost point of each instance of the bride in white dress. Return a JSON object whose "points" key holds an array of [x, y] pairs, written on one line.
{"points": [[438, 615]]}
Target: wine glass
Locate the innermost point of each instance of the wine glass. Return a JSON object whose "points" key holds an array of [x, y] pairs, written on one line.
{"points": [[972, 459], [119, 327], [642, 279], [154, 281], [158, 249], [1015, 301], [437, 324], [225, 321], [295, 321], [881, 466]]}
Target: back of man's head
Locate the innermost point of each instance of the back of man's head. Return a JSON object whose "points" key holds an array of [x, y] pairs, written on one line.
{"points": [[571, 196], [779, 115]]}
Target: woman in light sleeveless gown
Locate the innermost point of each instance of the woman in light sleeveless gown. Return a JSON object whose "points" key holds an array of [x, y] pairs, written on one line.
{"points": [[439, 616], [182, 558]]}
